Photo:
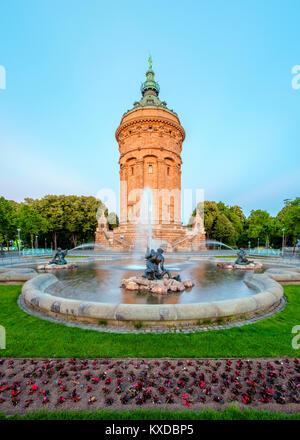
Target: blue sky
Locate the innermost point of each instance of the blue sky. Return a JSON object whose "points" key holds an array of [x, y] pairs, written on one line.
{"points": [[73, 68]]}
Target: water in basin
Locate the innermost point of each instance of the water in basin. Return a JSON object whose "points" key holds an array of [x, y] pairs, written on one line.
{"points": [[100, 281]]}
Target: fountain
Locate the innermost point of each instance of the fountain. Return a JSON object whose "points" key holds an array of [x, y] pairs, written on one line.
{"points": [[241, 263], [156, 278], [57, 262], [144, 226], [113, 291]]}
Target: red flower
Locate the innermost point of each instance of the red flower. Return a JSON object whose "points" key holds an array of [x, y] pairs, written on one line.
{"points": [[3, 388], [186, 400], [33, 388], [246, 399], [15, 393], [74, 396]]}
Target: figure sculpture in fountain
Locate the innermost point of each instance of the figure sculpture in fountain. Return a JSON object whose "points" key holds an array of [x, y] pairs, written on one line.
{"points": [[151, 271], [155, 267], [59, 257], [58, 262], [242, 259], [156, 279]]}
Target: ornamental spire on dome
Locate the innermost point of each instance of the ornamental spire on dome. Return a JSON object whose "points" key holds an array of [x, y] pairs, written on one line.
{"points": [[150, 92], [150, 85]]}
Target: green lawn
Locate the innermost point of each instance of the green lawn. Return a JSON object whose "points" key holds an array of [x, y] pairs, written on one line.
{"points": [[28, 336], [78, 256], [229, 413]]}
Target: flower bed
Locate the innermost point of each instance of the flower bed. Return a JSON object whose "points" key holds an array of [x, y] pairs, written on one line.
{"points": [[79, 384]]}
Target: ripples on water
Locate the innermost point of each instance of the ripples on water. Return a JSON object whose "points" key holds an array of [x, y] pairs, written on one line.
{"points": [[100, 281]]}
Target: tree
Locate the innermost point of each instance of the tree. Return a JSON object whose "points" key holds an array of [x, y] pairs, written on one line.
{"points": [[113, 220], [211, 212], [90, 206], [262, 226], [73, 216], [51, 209], [30, 222], [289, 218], [237, 210], [7, 221], [224, 230], [233, 213]]}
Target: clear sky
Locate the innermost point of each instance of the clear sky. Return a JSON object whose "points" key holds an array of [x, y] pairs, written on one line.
{"points": [[74, 67]]}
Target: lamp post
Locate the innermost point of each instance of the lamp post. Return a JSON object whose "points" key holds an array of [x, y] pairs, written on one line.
{"points": [[283, 240], [258, 242], [249, 245], [19, 242], [36, 241]]}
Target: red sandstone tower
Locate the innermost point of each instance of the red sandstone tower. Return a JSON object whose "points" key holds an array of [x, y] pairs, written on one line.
{"points": [[150, 139]]}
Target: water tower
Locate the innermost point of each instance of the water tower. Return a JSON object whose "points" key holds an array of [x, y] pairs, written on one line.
{"points": [[150, 139]]}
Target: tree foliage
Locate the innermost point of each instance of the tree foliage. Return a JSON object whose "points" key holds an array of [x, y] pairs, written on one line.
{"points": [[230, 225], [64, 220], [289, 217], [7, 220], [30, 222], [69, 221]]}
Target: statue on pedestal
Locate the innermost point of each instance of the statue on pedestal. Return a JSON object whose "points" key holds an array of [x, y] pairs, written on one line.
{"points": [[242, 259], [155, 268], [59, 257]]}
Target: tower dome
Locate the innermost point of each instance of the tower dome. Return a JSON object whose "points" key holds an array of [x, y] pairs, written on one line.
{"points": [[150, 91]]}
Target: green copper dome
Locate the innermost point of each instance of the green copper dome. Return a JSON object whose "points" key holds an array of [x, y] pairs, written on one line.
{"points": [[150, 92]]}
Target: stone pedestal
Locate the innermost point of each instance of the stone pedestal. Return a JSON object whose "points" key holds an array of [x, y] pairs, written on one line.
{"points": [[54, 267], [156, 287], [250, 266]]}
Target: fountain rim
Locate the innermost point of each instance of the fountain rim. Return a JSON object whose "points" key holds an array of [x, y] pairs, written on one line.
{"points": [[36, 299]]}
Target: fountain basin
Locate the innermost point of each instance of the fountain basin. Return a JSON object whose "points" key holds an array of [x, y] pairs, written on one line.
{"points": [[35, 297]]}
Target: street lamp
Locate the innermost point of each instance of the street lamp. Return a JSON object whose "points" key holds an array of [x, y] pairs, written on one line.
{"points": [[283, 240], [249, 245], [19, 242], [258, 242], [36, 241]]}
